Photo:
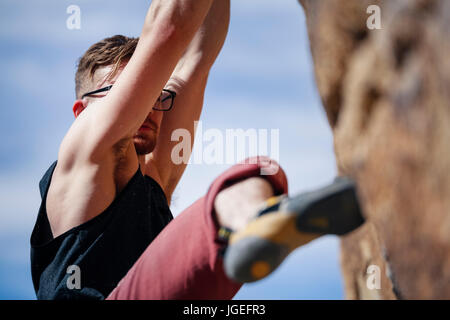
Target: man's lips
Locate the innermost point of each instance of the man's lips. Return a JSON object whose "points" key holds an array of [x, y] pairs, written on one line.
{"points": [[148, 126]]}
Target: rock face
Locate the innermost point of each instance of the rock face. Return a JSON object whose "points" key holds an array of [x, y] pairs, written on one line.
{"points": [[387, 97]]}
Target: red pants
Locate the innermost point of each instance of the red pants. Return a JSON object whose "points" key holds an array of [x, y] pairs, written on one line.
{"points": [[183, 262]]}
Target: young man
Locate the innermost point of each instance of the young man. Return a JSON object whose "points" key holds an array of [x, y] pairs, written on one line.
{"points": [[106, 199]]}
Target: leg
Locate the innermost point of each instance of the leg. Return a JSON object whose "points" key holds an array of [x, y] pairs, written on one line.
{"points": [[184, 262]]}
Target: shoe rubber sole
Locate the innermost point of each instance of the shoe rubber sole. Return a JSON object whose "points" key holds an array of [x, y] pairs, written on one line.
{"points": [[288, 223]]}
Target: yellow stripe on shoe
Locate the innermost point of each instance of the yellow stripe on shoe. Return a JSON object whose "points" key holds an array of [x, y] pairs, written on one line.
{"points": [[258, 249]]}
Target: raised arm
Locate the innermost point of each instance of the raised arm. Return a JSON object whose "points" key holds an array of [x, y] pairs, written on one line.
{"points": [[189, 81], [169, 27]]}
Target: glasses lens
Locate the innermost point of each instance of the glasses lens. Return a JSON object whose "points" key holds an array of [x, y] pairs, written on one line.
{"points": [[164, 102]]}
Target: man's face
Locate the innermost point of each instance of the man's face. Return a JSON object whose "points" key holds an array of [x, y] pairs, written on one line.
{"points": [[145, 137]]}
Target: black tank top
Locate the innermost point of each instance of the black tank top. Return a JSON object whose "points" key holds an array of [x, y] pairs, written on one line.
{"points": [[103, 248]]}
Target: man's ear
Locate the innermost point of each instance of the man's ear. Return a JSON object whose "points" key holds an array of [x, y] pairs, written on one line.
{"points": [[78, 107]]}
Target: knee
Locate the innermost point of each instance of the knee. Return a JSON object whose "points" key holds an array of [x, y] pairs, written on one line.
{"points": [[271, 171]]}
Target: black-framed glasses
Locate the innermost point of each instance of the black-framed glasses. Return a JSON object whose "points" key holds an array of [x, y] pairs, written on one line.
{"points": [[164, 102]]}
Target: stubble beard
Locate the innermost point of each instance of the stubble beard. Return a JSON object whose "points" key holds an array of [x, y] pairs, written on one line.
{"points": [[144, 143]]}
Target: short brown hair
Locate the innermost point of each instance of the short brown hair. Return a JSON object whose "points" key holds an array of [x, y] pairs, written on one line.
{"points": [[110, 51]]}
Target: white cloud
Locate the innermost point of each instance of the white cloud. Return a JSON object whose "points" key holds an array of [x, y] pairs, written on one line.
{"points": [[19, 198], [266, 7], [44, 21], [266, 38]]}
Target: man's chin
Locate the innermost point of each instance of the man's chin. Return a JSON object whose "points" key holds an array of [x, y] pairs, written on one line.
{"points": [[143, 145]]}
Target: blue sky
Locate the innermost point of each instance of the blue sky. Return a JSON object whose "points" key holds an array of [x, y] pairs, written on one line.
{"points": [[263, 79]]}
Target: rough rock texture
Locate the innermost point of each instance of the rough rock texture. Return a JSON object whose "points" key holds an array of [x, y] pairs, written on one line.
{"points": [[387, 97]]}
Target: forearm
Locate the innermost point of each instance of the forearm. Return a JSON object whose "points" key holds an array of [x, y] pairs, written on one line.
{"points": [[206, 44], [189, 81], [170, 28], [164, 16]]}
